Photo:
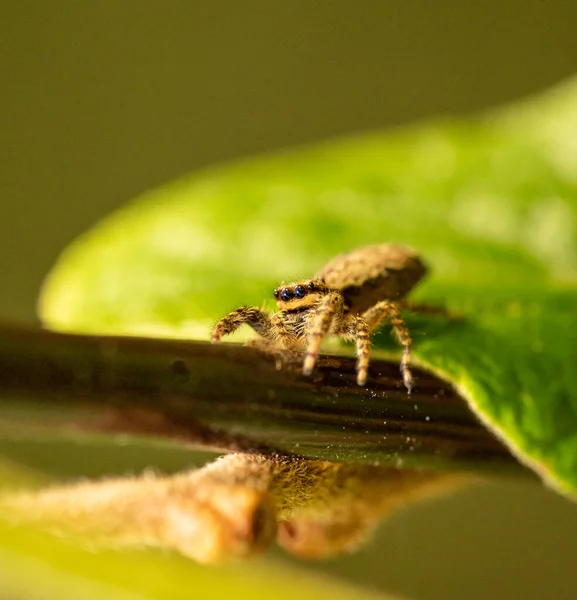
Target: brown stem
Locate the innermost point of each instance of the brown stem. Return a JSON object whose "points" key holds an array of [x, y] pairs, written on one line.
{"points": [[229, 397]]}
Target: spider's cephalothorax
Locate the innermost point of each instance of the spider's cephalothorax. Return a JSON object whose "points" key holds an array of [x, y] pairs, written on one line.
{"points": [[352, 295]]}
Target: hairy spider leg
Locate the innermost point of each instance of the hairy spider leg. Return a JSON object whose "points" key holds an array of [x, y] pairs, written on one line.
{"points": [[363, 343], [328, 308], [387, 310], [357, 329]]}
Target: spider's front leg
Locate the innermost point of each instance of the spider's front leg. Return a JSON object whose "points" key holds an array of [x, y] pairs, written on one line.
{"points": [[257, 318], [319, 325], [379, 313], [271, 328]]}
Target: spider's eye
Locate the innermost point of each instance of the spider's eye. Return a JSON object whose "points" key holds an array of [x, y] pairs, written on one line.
{"points": [[299, 291], [275, 294], [286, 294], [311, 286]]}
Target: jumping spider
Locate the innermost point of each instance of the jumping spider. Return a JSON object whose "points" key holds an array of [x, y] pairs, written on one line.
{"points": [[351, 296]]}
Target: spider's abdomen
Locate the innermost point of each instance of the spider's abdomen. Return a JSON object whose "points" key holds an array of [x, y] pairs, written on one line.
{"points": [[370, 274]]}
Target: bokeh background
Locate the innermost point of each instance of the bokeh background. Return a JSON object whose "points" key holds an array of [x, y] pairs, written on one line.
{"points": [[101, 101]]}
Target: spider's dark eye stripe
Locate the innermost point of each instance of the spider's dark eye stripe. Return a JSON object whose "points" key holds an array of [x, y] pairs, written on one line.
{"points": [[300, 291], [275, 293], [286, 294]]}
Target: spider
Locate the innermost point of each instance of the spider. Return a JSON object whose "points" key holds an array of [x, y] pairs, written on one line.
{"points": [[350, 296]]}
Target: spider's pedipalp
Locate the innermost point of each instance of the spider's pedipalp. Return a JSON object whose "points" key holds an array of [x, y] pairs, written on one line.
{"points": [[280, 333]]}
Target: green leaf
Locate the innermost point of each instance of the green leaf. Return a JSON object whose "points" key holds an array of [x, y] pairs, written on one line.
{"points": [[491, 204]]}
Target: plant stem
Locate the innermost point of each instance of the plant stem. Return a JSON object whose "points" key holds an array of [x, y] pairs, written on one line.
{"points": [[230, 397]]}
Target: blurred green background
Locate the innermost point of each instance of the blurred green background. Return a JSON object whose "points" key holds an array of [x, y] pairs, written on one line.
{"points": [[100, 101]]}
